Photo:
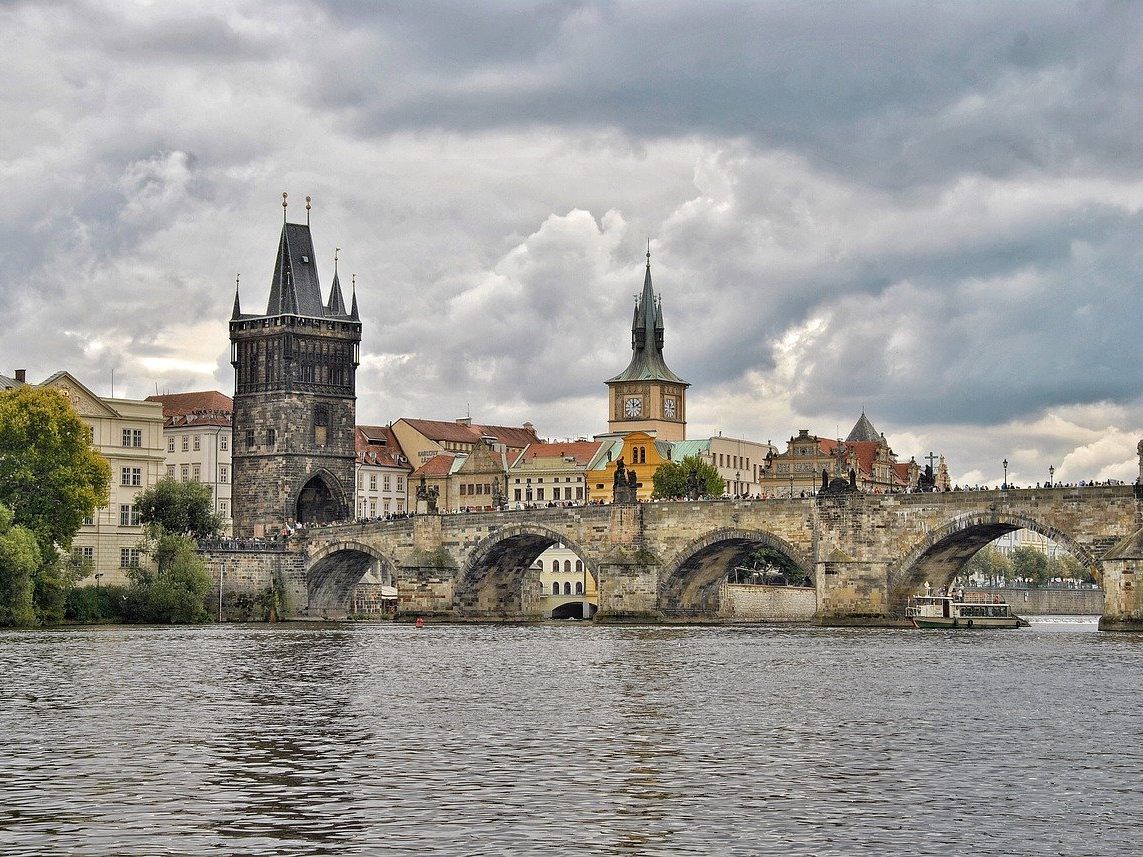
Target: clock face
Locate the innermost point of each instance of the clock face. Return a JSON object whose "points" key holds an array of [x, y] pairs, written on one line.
{"points": [[632, 407], [669, 407]]}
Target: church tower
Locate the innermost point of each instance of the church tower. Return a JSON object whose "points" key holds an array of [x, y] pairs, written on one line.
{"points": [[647, 396], [294, 395]]}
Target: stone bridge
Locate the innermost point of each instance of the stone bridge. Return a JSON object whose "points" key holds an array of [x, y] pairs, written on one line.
{"points": [[665, 561]]}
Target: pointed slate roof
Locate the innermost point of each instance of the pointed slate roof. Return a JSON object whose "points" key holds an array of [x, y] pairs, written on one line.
{"points": [[295, 289], [863, 431], [647, 334], [336, 305]]}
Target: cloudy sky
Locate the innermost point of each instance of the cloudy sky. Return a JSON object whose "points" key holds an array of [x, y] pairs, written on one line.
{"points": [[929, 211]]}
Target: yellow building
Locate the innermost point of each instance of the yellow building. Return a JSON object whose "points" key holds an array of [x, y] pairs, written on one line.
{"points": [[639, 451]]}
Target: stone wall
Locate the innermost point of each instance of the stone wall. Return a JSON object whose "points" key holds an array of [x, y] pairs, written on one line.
{"points": [[250, 578], [1051, 602], [768, 603]]}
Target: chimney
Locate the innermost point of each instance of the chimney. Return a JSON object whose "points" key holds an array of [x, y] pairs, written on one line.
{"points": [[465, 421], [21, 375]]}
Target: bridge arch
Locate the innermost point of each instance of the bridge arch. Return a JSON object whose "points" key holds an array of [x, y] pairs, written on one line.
{"points": [[498, 578], [686, 581], [334, 570], [940, 555]]}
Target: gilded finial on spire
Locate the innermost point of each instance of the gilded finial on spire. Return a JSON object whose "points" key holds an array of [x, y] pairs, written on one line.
{"points": [[648, 252], [354, 286], [284, 204], [336, 250], [307, 211]]}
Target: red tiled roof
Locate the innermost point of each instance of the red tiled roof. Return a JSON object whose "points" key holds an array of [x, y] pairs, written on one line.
{"points": [[180, 404], [513, 437], [377, 445], [439, 465], [581, 450], [198, 418]]}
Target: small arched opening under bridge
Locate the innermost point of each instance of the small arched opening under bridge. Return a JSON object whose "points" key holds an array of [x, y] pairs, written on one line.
{"points": [[502, 578], [943, 553], [691, 583], [335, 572]]}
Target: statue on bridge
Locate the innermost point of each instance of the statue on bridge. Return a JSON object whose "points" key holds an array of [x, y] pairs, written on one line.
{"points": [[696, 485], [842, 482], [624, 489], [427, 498]]}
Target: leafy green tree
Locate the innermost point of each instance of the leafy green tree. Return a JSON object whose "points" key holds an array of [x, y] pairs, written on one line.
{"points": [[183, 508], [175, 589], [1030, 564], [1067, 566], [19, 561], [50, 476], [671, 478], [988, 563]]}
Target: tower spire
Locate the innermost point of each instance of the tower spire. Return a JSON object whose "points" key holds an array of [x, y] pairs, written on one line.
{"points": [[353, 310], [237, 304], [336, 304], [284, 204]]}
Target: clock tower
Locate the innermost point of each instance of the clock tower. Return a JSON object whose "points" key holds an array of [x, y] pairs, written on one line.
{"points": [[647, 396]]}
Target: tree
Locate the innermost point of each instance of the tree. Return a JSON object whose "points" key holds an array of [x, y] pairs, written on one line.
{"points": [[19, 561], [184, 508], [1030, 564], [670, 478], [989, 564], [50, 476], [176, 590], [1067, 566]]}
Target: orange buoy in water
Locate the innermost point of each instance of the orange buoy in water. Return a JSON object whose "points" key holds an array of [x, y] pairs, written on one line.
{"points": [[420, 622]]}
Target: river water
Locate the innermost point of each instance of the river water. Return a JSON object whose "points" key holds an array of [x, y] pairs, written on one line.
{"points": [[455, 739]]}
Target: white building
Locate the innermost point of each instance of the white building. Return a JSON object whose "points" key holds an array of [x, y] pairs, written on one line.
{"points": [[381, 473], [197, 432]]}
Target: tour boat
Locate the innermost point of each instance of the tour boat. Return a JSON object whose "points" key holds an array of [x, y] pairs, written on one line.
{"points": [[944, 611]]}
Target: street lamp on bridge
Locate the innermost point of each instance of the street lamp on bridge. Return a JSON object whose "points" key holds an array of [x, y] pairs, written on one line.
{"points": [[1004, 484], [1051, 475], [737, 485]]}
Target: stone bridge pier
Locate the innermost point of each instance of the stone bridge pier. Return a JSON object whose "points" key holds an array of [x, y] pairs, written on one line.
{"points": [[667, 562]]}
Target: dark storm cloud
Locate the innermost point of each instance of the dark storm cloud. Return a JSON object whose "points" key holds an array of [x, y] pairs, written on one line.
{"points": [[900, 94]]}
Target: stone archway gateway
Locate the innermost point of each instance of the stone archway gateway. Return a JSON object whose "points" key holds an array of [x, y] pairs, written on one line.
{"points": [[320, 500]]}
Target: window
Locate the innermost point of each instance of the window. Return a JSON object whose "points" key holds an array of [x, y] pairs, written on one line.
{"points": [[186, 443], [131, 476], [555, 587], [249, 439], [385, 482], [400, 483], [579, 493], [567, 566], [321, 424], [517, 494], [271, 436], [224, 442], [197, 442], [539, 493], [224, 507], [89, 521], [128, 516], [555, 566], [170, 471], [184, 472], [463, 489], [170, 444], [579, 566], [579, 587], [372, 481], [196, 472], [84, 554], [132, 437], [567, 587], [128, 557], [223, 473]]}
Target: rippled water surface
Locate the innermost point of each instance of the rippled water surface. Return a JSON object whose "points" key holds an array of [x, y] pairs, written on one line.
{"points": [[598, 740]]}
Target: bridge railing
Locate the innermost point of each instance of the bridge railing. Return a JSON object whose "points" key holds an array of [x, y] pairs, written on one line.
{"points": [[249, 545]]}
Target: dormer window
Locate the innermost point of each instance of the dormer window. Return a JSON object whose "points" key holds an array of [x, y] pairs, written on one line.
{"points": [[306, 259]]}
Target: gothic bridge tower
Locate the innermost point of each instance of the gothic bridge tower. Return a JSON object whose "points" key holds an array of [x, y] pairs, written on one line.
{"points": [[294, 395], [647, 396]]}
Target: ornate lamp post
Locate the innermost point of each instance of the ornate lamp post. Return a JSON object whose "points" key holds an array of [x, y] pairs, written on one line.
{"points": [[737, 487], [1051, 475], [1004, 484]]}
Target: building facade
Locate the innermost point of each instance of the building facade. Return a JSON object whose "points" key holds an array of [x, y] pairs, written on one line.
{"points": [[295, 372], [551, 472], [382, 471], [129, 434], [647, 396], [197, 430]]}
